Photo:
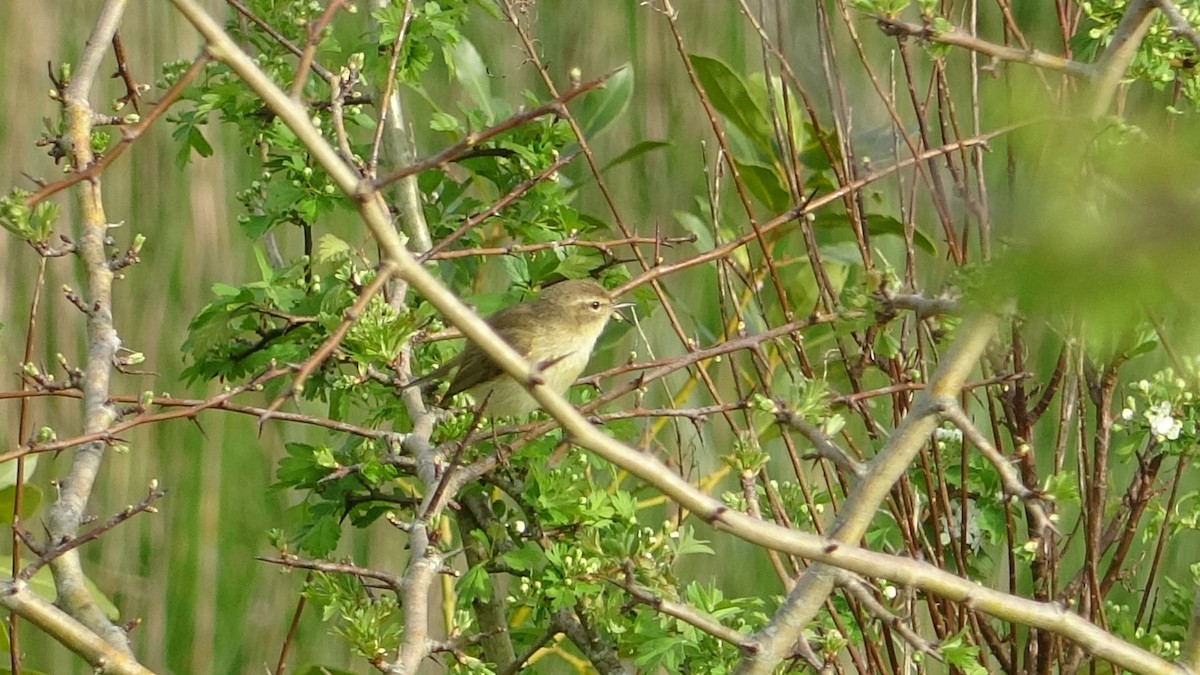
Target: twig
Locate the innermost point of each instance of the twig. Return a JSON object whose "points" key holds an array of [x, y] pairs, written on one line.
{"points": [[392, 581], [57, 550], [684, 613], [276, 36], [129, 134], [310, 47], [604, 246], [824, 446], [110, 434], [133, 91], [439, 252], [957, 38], [553, 107], [859, 590], [198, 405]]}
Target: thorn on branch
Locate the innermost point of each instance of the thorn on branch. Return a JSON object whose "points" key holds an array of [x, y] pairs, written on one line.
{"points": [[133, 90]]}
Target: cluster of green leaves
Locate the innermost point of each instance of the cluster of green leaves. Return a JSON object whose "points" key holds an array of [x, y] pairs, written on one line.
{"points": [[368, 621], [332, 497], [575, 528], [286, 315], [29, 224], [1164, 57]]}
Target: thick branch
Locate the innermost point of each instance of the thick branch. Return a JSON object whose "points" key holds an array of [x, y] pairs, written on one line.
{"points": [[64, 517], [16, 597], [1115, 60]]}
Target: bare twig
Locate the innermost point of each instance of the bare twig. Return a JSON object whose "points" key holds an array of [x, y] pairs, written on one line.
{"points": [[59, 549], [958, 38], [390, 580]]}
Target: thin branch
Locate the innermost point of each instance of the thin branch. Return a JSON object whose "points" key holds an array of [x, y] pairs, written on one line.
{"points": [[129, 134], [1041, 526], [314, 30], [392, 581], [219, 402], [439, 251], [861, 592], [331, 343], [57, 550], [957, 38], [824, 446], [552, 107], [111, 433], [684, 613], [276, 36]]}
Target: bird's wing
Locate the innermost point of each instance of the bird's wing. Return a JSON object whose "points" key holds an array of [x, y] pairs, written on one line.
{"points": [[475, 367]]}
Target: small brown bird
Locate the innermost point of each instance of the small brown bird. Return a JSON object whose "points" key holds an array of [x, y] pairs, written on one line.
{"points": [[555, 331]]}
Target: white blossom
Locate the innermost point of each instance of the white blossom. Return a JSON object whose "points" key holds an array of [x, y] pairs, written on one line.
{"points": [[1162, 424]]}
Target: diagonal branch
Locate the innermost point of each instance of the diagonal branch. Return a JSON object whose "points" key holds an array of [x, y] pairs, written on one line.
{"points": [[814, 586], [956, 38]]}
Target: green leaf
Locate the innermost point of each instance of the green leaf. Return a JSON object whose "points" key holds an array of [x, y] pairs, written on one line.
{"points": [[333, 249], [886, 345], [690, 545], [255, 226], [321, 536], [516, 268], [476, 584], [440, 121], [31, 498], [472, 73], [528, 557], [600, 107], [8, 470], [696, 227], [731, 97], [958, 653], [634, 152], [198, 142], [765, 183]]}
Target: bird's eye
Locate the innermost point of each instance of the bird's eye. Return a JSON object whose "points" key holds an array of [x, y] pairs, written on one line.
{"points": [[595, 304]]}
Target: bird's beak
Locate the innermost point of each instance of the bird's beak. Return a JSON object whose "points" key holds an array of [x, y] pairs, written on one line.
{"points": [[618, 307]]}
